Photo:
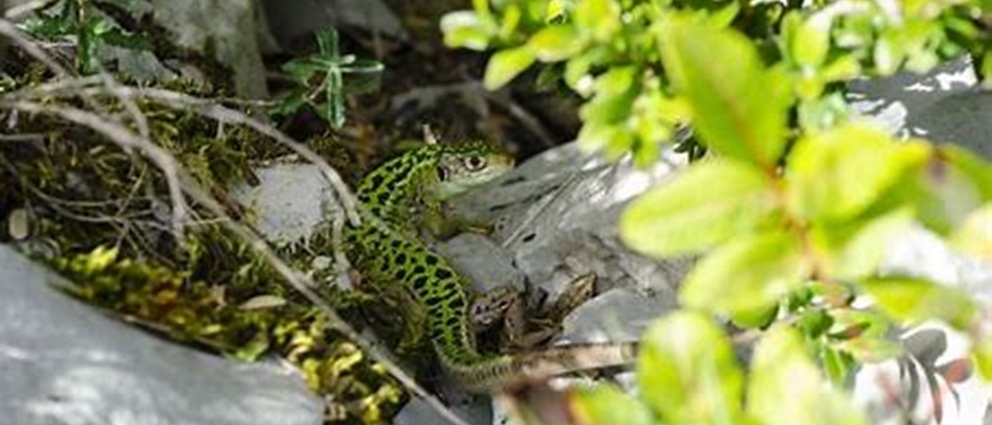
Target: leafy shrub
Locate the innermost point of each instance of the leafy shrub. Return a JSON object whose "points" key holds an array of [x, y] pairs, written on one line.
{"points": [[791, 214]]}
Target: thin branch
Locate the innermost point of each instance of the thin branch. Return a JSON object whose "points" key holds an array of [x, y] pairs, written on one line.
{"points": [[181, 101], [160, 157], [174, 171]]}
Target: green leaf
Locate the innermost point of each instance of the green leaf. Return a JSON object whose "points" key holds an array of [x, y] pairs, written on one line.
{"points": [[863, 334], [843, 68], [888, 54], [688, 372], [555, 43], [837, 365], [822, 113], [731, 106], [756, 319], [835, 175], [708, 204], [982, 353], [615, 91], [604, 404], [975, 235], [556, 11], [506, 64], [855, 250], [917, 300], [749, 273], [973, 168], [599, 18], [952, 185], [814, 322], [808, 39], [786, 388], [334, 110], [466, 29], [327, 43]]}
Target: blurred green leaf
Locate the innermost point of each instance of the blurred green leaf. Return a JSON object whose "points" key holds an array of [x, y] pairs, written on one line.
{"points": [[749, 273], [732, 109], [690, 214], [555, 43], [863, 334], [836, 175], [975, 234], [823, 113], [888, 54], [786, 388], [855, 250], [466, 29], [690, 368], [839, 366], [557, 11], [604, 404], [916, 300], [506, 64], [814, 322], [973, 168], [810, 41], [756, 319], [599, 18], [982, 352]]}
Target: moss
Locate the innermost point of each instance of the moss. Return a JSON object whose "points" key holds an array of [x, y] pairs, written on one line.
{"points": [[102, 217]]}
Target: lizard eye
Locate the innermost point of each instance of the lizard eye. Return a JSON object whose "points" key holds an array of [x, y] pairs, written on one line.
{"points": [[475, 162], [442, 173]]}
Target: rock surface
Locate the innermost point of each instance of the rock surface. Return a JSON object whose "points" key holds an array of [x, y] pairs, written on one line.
{"points": [[64, 362]]}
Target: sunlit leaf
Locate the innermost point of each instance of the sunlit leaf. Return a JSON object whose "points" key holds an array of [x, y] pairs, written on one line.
{"points": [[975, 235], [600, 18], [809, 38], [915, 300], [972, 167], [506, 64], [466, 29], [555, 43], [982, 352], [855, 250], [710, 203], [749, 273], [690, 368], [604, 404], [737, 109], [786, 387], [100, 258], [837, 174]]}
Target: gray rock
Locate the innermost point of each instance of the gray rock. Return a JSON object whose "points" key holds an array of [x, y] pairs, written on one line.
{"points": [[63, 362], [291, 19], [620, 314], [484, 262], [289, 202], [945, 105]]}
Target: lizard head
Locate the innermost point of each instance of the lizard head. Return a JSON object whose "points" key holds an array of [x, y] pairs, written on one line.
{"points": [[464, 166]]}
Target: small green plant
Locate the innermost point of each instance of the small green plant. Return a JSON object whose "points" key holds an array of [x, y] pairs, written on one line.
{"points": [[321, 80], [89, 26], [792, 213]]}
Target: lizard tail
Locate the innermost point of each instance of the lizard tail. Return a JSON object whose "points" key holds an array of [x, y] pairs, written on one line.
{"points": [[508, 371]]}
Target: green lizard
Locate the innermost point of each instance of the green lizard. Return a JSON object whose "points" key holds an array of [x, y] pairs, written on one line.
{"points": [[385, 249]]}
